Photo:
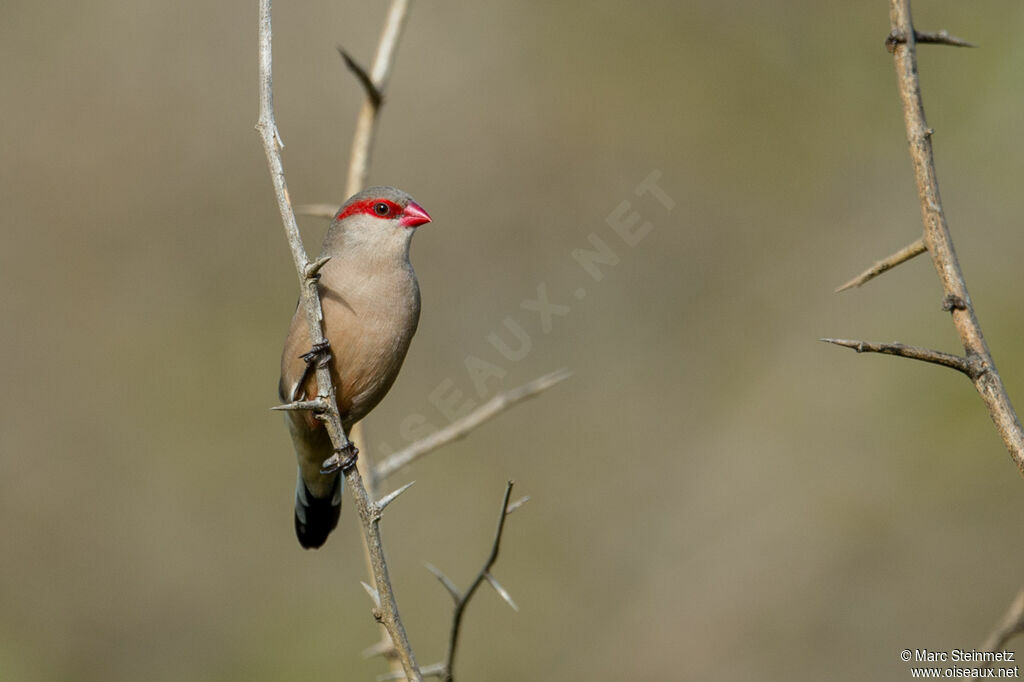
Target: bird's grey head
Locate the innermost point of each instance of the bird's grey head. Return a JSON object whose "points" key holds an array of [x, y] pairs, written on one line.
{"points": [[380, 220]]}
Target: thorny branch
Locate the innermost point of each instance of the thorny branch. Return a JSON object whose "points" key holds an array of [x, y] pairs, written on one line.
{"points": [[884, 265], [460, 427], [386, 610], [977, 361], [1012, 624], [913, 352], [939, 242], [445, 669], [374, 83]]}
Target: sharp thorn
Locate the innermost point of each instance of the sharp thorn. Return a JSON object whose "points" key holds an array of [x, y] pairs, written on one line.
{"points": [[299, 405], [382, 648], [941, 38], [389, 498], [374, 595], [516, 505], [448, 584], [434, 670], [502, 592], [313, 268], [372, 91]]}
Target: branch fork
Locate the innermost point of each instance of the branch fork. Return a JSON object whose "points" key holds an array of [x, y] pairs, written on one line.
{"points": [[976, 362], [326, 407], [394, 644], [445, 668]]}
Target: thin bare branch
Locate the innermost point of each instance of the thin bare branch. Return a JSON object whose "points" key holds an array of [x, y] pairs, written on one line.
{"points": [[388, 611], [1012, 624], [374, 85], [886, 264], [318, 210], [937, 357], [310, 299], [366, 126], [445, 669], [937, 238], [460, 427]]}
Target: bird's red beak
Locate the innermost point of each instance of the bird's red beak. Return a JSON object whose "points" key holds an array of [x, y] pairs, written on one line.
{"points": [[414, 215]]}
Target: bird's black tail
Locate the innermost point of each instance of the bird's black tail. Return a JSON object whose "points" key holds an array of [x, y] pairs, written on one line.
{"points": [[316, 517]]}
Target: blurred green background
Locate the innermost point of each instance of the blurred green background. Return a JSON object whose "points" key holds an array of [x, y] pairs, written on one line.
{"points": [[715, 494]]}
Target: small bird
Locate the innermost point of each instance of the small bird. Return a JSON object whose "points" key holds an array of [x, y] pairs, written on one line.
{"points": [[371, 304]]}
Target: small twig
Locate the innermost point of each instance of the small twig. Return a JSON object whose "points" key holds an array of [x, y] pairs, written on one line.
{"points": [[886, 264], [461, 427], [318, 210], [986, 378], [898, 37], [310, 299], [375, 95], [941, 38], [369, 514], [937, 357], [445, 670], [1012, 624], [374, 85]]}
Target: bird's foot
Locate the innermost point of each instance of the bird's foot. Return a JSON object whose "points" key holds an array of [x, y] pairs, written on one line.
{"points": [[953, 302], [342, 460], [320, 354]]}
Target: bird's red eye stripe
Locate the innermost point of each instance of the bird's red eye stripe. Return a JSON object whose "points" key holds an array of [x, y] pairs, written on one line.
{"points": [[379, 208]]}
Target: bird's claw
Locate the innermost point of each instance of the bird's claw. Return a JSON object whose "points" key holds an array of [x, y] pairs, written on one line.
{"points": [[342, 460], [318, 350], [320, 353]]}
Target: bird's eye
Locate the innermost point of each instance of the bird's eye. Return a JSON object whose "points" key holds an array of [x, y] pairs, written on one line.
{"points": [[381, 209]]}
